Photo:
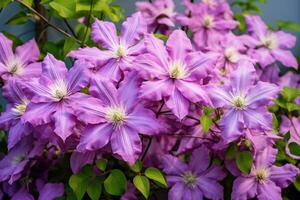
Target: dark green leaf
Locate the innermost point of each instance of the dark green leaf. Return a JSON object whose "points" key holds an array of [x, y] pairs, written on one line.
{"points": [[231, 151], [20, 18], [294, 148], [101, 164], [156, 175], [244, 161], [94, 188], [297, 183], [115, 183], [137, 167], [290, 94], [4, 3], [142, 184], [69, 45], [206, 122], [291, 26], [65, 9]]}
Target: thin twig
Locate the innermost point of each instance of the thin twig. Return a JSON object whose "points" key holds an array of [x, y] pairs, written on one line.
{"points": [[88, 23], [47, 22], [69, 27]]}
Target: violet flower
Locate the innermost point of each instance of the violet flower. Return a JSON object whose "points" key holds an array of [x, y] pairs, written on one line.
{"points": [[53, 96], [115, 116], [194, 180], [23, 63], [244, 101], [12, 119], [174, 72], [268, 46], [120, 51], [265, 179], [159, 15]]}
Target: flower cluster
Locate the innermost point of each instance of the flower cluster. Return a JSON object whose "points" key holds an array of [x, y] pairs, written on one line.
{"points": [[198, 105]]}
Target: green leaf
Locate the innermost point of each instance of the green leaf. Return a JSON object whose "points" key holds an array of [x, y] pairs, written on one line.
{"points": [[142, 184], [94, 188], [297, 183], [161, 36], [231, 151], [244, 161], [28, 2], [156, 175], [19, 18], [101, 164], [79, 182], [115, 183], [290, 94], [69, 45], [65, 9], [292, 107], [294, 148], [206, 122], [288, 25], [137, 167], [4, 3], [16, 40]]}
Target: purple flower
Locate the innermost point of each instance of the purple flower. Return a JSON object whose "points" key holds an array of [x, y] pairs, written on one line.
{"points": [[244, 101], [159, 15], [53, 96], [120, 51], [207, 26], [23, 63], [12, 119], [115, 116], [195, 180], [268, 46], [22, 194], [265, 180], [49, 191], [174, 72]]}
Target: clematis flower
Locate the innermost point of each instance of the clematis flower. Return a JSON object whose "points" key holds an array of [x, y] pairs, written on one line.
{"points": [[267, 46], [22, 64], [195, 180], [159, 15], [207, 26], [244, 101], [115, 116], [12, 119], [119, 51], [49, 191], [53, 96], [265, 179], [174, 72]]}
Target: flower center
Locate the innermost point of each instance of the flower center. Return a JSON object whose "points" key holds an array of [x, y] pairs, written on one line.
{"points": [[231, 54], [209, 2], [189, 179], [239, 102], [59, 90], [18, 159], [177, 70], [120, 51], [208, 21], [262, 174], [20, 109], [116, 115], [15, 67], [269, 41]]}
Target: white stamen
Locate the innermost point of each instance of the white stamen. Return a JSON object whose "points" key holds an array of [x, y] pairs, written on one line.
{"points": [[15, 66], [262, 174], [231, 54], [116, 115], [177, 70], [239, 102], [270, 41], [208, 21], [20, 109], [59, 89], [120, 51], [189, 179]]}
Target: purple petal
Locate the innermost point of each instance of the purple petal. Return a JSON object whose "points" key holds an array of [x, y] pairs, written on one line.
{"points": [[28, 52], [177, 192], [77, 78], [105, 34], [269, 190], [53, 68], [215, 172], [198, 63], [263, 56], [193, 91], [39, 113], [126, 142], [178, 45], [104, 90], [256, 26], [266, 157], [51, 190], [286, 40], [259, 119], [79, 159], [172, 165], [155, 90], [230, 125], [95, 137], [133, 29], [225, 24], [6, 52], [286, 57], [13, 91], [262, 93], [91, 54], [210, 188], [284, 175], [143, 120], [220, 96], [22, 194], [16, 133], [244, 188], [178, 104], [200, 159], [32, 70], [64, 123], [111, 70]]}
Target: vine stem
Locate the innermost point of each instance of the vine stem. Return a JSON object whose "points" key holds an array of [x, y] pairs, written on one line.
{"points": [[47, 21], [88, 23]]}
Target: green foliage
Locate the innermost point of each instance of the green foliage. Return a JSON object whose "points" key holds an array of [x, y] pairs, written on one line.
{"points": [[79, 182], [19, 18], [156, 175], [142, 184], [294, 148], [288, 25], [290, 94], [244, 161], [137, 167], [101, 164], [115, 183], [94, 188], [4, 3], [205, 119], [231, 151], [63, 8]]}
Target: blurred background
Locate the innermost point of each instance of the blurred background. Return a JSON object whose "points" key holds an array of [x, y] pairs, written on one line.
{"points": [[272, 11]]}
